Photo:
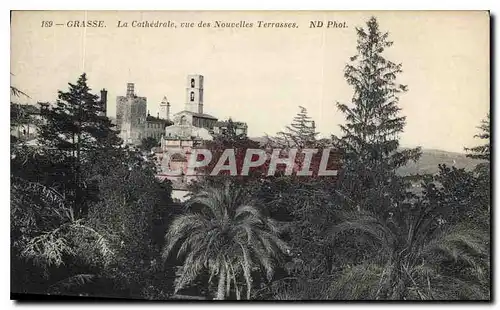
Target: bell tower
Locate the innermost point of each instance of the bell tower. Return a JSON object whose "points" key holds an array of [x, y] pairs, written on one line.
{"points": [[194, 93], [165, 108]]}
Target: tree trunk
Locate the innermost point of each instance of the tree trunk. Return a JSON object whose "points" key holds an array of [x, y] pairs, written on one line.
{"points": [[221, 287]]}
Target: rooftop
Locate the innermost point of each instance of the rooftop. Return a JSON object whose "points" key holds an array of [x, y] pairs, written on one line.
{"points": [[186, 132], [151, 118], [199, 115]]}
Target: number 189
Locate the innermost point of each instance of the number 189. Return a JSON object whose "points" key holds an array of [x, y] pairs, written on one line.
{"points": [[47, 23]]}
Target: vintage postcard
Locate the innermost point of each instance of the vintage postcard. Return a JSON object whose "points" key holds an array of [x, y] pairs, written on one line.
{"points": [[250, 155]]}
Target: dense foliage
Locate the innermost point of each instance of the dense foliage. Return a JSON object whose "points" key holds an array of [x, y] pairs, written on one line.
{"points": [[88, 215], [226, 233]]}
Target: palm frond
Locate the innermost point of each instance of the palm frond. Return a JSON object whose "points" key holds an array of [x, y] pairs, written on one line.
{"points": [[358, 283], [14, 91], [224, 233]]}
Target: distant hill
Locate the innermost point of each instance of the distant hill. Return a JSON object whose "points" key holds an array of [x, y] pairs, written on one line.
{"points": [[429, 161]]}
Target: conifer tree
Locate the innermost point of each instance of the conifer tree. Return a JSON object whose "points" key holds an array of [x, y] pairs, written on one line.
{"points": [[74, 131], [482, 151], [370, 141], [301, 133], [76, 123]]}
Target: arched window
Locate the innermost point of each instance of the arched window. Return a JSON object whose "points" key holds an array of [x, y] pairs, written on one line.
{"points": [[192, 96], [192, 83], [183, 120]]}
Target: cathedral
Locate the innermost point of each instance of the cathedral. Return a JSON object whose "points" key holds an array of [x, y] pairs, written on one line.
{"points": [[189, 126], [176, 134]]}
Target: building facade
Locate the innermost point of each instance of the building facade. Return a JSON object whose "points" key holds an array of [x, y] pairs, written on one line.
{"points": [[155, 127], [27, 120], [191, 128], [190, 124], [134, 122], [178, 133], [193, 113]]}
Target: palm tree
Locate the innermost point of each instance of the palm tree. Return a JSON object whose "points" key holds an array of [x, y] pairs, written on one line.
{"points": [[413, 255], [14, 91], [226, 235]]}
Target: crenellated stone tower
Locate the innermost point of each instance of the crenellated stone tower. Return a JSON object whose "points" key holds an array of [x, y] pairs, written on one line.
{"points": [[131, 112]]}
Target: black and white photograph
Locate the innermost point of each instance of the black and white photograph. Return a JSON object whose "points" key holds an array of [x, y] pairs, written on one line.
{"points": [[250, 156]]}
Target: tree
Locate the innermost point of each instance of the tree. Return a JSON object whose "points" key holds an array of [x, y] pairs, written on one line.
{"points": [[224, 233], [229, 140], [370, 142], [482, 151], [482, 171], [465, 195], [109, 250], [303, 205], [73, 129], [76, 123], [130, 212], [46, 236], [300, 134], [229, 134], [148, 143], [413, 256]]}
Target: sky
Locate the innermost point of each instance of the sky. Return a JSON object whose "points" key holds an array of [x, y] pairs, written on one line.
{"points": [[262, 75]]}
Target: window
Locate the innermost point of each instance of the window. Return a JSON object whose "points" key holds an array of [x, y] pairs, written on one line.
{"points": [[192, 96], [192, 83]]}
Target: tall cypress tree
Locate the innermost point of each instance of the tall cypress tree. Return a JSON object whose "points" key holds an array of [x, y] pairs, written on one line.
{"points": [[75, 130], [370, 141]]}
